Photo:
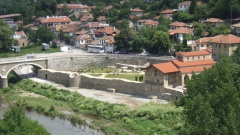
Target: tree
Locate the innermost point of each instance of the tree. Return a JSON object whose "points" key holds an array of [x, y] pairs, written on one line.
{"points": [[124, 39], [15, 122], [192, 6], [44, 35], [161, 41], [212, 101], [6, 36]]}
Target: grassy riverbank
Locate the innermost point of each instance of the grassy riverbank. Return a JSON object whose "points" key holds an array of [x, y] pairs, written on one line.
{"points": [[151, 118]]}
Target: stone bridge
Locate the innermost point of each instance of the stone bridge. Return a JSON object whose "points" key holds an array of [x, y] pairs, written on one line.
{"points": [[9, 64]]}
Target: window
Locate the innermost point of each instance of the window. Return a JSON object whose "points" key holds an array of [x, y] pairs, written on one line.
{"points": [[204, 57], [219, 46], [193, 58], [232, 45], [197, 45], [155, 72], [198, 57], [225, 46], [201, 45], [187, 58], [215, 45]]}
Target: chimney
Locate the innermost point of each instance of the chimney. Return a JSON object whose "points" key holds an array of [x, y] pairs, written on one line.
{"points": [[114, 28]]}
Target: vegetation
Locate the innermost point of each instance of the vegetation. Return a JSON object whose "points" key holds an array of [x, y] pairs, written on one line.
{"points": [[6, 39], [15, 122], [212, 102], [27, 50], [118, 119]]}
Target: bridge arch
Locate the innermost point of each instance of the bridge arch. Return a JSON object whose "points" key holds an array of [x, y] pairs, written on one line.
{"points": [[35, 65]]}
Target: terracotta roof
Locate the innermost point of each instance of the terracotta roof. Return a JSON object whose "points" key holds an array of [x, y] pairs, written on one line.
{"points": [[101, 18], [156, 18], [108, 39], [56, 19], [85, 18], [86, 37], [168, 11], [194, 53], [108, 8], [109, 30], [203, 40], [167, 67], [21, 33], [236, 25], [194, 69], [9, 15], [81, 32], [74, 6], [193, 63], [149, 22], [181, 30], [178, 24], [136, 10], [228, 39], [188, 3], [93, 25], [19, 22], [214, 20], [67, 28]]}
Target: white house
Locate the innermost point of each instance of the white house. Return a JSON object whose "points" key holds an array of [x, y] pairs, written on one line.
{"points": [[108, 43], [185, 5]]}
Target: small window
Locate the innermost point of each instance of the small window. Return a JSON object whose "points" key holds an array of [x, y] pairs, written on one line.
{"points": [[232, 45], [219, 46], [187, 58], [193, 58], [198, 57], [204, 57], [201, 45]]}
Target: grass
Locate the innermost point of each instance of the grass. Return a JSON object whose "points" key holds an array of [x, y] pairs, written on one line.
{"points": [[131, 77], [96, 75], [148, 119], [28, 50], [101, 70]]}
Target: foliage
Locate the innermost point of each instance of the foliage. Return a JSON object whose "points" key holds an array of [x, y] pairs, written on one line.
{"points": [[44, 35], [124, 39], [192, 6], [182, 16], [212, 102], [161, 41], [6, 39], [131, 121], [15, 122]]}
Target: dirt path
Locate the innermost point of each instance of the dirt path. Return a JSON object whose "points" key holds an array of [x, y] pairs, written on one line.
{"points": [[129, 100]]}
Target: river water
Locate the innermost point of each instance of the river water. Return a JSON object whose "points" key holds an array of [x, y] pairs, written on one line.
{"points": [[57, 126]]}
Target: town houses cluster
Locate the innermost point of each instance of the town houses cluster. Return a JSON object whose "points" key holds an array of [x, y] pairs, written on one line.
{"points": [[90, 31]]}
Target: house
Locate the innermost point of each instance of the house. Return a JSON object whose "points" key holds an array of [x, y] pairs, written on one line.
{"points": [[184, 6], [86, 19], [136, 13], [19, 23], [214, 21], [108, 43], [236, 29], [175, 25], [140, 23], [108, 31], [21, 38], [203, 44], [176, 72], [179, 33], [82, 41], [67, 29], [93, 26], [102, 19], [225, 45], [168, 13], [52, 22], [9, 20], [72, 8]]}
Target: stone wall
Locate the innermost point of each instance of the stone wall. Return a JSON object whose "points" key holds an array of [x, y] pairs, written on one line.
{"points": [[88, 61], [129, 87], [69, 79]]}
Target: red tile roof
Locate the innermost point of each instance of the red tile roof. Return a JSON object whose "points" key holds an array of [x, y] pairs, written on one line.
{"points": [[181, 30], [178, 24], [19, 22], [55, 19], [228, 39], [214, 20], [167, 67], [194, 69], [236, 25], [85, 18], [185, 3], [181, 64], [194, 53], [168, 11], [136, 10], [204, 40], [109, 30], [9, 15], [74, 6], [81, 32], [101, 18]]}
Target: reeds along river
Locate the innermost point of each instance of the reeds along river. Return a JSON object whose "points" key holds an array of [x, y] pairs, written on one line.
{"points": [[57, 126]]}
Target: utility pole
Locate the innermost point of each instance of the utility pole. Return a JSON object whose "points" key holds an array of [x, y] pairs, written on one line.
{"points": [[231, 14]]}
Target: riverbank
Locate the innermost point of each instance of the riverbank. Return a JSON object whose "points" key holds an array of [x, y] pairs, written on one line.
{"points": [[151, 118]]}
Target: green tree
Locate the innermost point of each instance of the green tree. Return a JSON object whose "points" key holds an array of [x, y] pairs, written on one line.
{"points": [[124, 39], [161, 41], [212, 103], [6, 36], [44, 35], [15, 122], [192, 6]]}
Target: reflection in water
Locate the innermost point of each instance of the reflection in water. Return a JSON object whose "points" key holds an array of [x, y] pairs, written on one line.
{"points": [[58, 126]]}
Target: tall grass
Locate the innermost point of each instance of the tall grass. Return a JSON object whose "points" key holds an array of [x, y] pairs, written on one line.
{"points": [[148, 119]]}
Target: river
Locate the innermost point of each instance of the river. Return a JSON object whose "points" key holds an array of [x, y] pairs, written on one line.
{"points": [[57, 126]]}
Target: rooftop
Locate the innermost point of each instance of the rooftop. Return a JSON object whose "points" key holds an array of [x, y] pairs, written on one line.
{"points": [[178, 24], [181, 64], [194, 53], [9, 15], [74, 6], [194, 69], [136, 10], [55, 19], [181, 30], [167, 67], [168, 11], [228, 39], [214, 20]]}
